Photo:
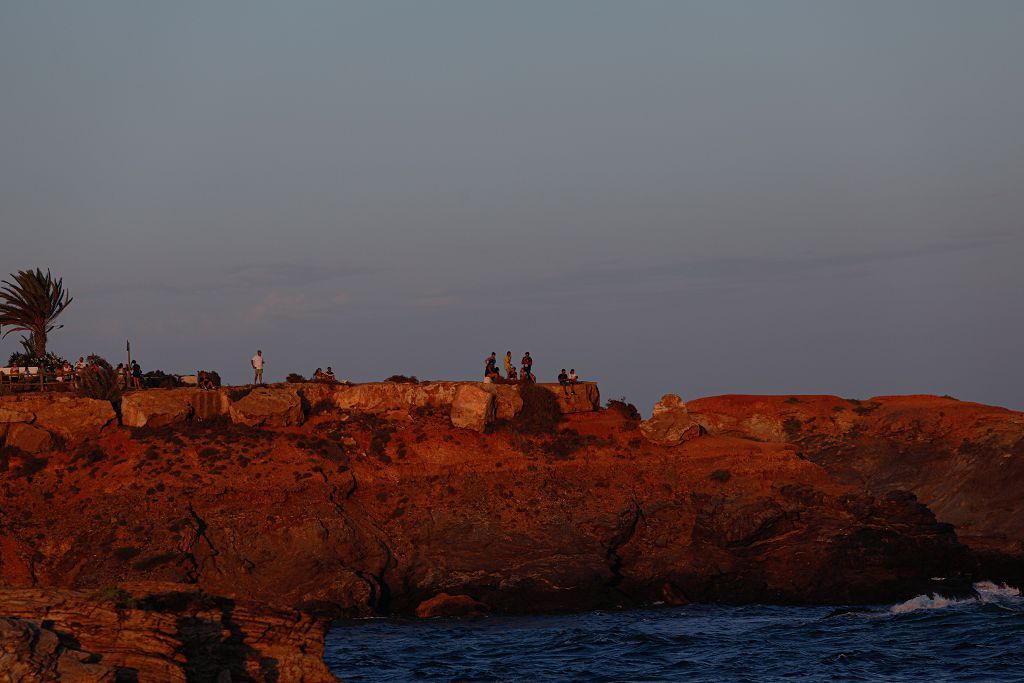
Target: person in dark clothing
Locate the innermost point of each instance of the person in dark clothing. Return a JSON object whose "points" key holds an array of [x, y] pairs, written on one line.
{"points": [[136, 375], [527, 364], [563, 379], [492, 364]]}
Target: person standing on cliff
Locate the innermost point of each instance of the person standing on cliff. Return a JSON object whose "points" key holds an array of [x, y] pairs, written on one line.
{"points": [[508, 364], [257, 366], [492, 364], [527, 364]]}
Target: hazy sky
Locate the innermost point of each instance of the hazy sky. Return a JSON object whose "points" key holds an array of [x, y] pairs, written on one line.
{"points": [[687, 197]]}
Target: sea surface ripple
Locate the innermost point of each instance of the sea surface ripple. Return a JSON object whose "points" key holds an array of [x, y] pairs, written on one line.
{"points": [[927, 638]]}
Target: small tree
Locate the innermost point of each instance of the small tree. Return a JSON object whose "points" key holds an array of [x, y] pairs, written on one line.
{"points": [[31, 303], [99, 380]]}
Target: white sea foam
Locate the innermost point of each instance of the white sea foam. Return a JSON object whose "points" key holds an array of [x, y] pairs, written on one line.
{"points": [[924, 602], [991, 592], [987, 591]]}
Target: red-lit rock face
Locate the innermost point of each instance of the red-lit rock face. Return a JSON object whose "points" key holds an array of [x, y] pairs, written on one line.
{"points": [[353, 512]]}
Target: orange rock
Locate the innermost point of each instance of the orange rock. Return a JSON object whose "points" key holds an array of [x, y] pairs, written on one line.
{"points": [[444, 605]]}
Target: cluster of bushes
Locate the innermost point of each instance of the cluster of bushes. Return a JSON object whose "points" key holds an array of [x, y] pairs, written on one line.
{"points": [[158, 379], [49, 362], [624, 408], [402, 379]]}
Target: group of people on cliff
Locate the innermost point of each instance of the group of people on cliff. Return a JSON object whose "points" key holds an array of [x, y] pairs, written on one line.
{"points": [[525, 372], [512, 375]]}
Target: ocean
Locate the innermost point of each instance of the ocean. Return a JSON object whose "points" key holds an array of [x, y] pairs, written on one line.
{"points": [[928, 638]]}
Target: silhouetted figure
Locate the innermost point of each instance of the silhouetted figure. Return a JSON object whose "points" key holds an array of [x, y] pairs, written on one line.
{"points": [[527, 364]]}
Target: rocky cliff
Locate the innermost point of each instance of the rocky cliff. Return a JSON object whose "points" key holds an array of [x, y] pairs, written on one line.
{"points": [[964, 460], [257, 520]]}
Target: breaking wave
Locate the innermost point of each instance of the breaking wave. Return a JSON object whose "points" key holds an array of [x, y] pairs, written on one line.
{"points": [[987, 592]]}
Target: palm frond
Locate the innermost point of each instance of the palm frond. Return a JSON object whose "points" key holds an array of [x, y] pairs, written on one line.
{"points": [[30, 302]]}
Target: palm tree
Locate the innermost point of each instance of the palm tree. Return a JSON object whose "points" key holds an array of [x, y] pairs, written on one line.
{"points": [[31, 303]]}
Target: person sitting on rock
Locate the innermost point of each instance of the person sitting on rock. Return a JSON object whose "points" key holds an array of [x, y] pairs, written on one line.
{"points": [[318, 376], [493, 376], [574, 379], [512, 377], [563, 379], [527, 364], [204, 380], [329, 375]]}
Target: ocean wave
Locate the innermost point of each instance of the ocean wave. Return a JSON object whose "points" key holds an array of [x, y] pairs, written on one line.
{"points": [[987, 593]]}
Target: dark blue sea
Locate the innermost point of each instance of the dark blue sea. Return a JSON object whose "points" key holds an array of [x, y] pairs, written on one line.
{"points": [[925, 639]]}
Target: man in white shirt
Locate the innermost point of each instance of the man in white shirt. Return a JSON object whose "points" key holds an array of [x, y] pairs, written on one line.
{"points": [[257, 366]]}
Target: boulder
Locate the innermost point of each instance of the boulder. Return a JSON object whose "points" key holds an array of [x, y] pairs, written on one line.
{"points": [[671, 424], [473, 408], [155, 408], [586, 399], [266, 407], [444, 605], [75, 419], [507, 401], [28, 438]]}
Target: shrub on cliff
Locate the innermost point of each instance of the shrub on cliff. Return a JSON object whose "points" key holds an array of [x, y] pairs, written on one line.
{"points": [[402, 379], [99, 380], [540, 413], [50, 361], [624, 408], [295, 378], [161, 380], [564, 444]]}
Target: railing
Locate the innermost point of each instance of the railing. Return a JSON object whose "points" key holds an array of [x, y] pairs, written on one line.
{"points": [[32, 379]]}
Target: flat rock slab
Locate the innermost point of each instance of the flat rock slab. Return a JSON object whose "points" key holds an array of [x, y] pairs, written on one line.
{"points": [[267, 407], [75, 419], [156, 408]]}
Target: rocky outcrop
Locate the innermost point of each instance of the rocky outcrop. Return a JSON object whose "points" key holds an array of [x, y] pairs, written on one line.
{"points": [[158, 633], [964, 460], [444, 605], [32, 422], [357, 513], [671, 424], [156, 408], [580, 398], [76, 419], [266, 407], [31, 652], [28, 438], [473, 408]]}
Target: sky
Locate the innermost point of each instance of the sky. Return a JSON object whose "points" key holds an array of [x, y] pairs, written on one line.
{"points": [[696, 198]]}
